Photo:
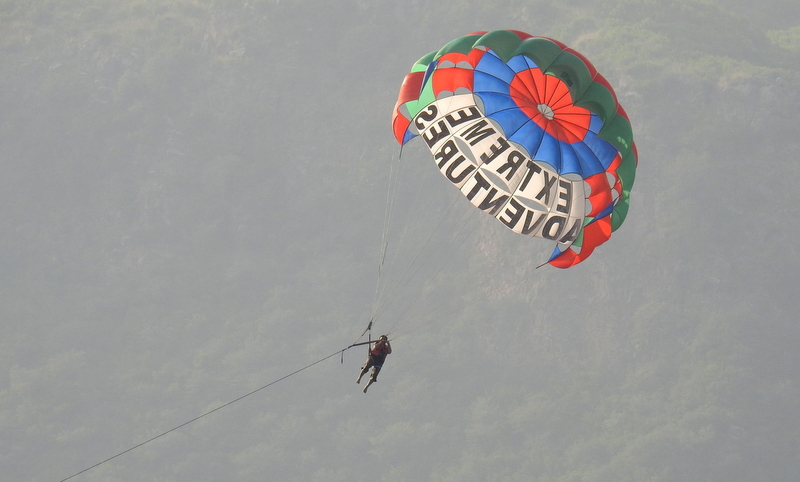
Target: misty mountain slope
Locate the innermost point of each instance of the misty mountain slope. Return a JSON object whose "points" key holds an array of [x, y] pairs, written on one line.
{"points": [[192, 205]]}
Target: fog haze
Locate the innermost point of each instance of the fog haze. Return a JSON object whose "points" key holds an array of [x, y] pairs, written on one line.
{"points": [[193, 203]]}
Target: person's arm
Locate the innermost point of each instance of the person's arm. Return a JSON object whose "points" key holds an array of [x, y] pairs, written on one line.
{"points": [[388, 348]]}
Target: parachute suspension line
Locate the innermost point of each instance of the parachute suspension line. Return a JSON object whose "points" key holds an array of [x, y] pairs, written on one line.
{"points": [[420, 320], [391, 196], [435, 308], [460, 237], [386, 292], [220, 407], [401, 242], [404, 278], [381, 298], [367, 330]]}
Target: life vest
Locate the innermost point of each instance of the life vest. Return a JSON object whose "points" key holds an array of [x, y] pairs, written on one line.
{"points": [[378, 350]]}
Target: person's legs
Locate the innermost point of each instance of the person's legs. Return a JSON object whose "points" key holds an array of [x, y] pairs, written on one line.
{"points": [[367, 365]]}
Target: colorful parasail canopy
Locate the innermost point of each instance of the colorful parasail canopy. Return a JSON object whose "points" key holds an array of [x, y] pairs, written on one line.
{"points": [[529, 132]]}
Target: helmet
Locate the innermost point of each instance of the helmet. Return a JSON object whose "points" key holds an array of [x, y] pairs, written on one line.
{"points": [[384, 338]]}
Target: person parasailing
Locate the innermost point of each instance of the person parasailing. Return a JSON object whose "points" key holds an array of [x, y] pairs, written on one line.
{"points": [[377, 355]]}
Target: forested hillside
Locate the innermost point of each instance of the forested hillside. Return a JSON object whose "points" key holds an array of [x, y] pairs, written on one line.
{"points": [[193, 201]]}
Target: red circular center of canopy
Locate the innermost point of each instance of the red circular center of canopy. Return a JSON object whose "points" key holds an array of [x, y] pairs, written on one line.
{"points": [[547, 101]]}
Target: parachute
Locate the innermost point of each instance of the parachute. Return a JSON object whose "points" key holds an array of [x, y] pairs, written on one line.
{"points": [[529, 132]]}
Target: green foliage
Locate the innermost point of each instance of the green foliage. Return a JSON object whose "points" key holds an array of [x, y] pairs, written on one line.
{"points": [[191, 206], [788, 38]]}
